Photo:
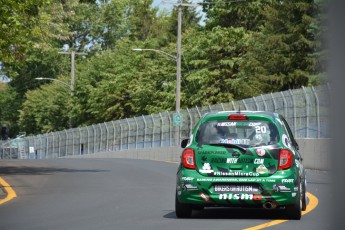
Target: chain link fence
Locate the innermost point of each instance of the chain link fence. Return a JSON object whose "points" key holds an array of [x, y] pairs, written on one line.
{"points": [[305, 109]]}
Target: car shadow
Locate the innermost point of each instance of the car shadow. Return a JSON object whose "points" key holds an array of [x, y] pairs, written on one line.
{"points": [[234, 213], [25, 170]]}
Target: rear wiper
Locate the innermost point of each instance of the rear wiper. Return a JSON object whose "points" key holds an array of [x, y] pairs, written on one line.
{"points": [[243, 150]]}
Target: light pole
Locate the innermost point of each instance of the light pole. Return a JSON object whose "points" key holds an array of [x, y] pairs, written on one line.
{"points": [[177, 117], [52, 79], [178, 73], [69, 86]]}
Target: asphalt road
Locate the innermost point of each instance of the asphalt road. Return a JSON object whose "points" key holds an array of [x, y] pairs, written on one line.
{"points": [[82, 194]]}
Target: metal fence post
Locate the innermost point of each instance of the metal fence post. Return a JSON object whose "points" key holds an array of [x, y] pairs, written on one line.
{"points": [[274, 103], [307, 110], [87, 139], [129, 133], [317, 111], [294, 112], [153, 131], [191, 123], [120, 136], [144, 131], [256, 104], [221, 104], [161, 134], [285, 104], [197, 109], [94, 139], [114, 139], [264, 101], [245, 105], [136, 133], [106, 137], [170, 128]]}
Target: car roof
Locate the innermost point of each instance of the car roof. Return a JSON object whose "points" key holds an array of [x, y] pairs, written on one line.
{"points": [[246, 112]]}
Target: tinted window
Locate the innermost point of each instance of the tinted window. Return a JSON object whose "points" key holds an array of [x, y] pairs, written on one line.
{"points": [[245, 133]]}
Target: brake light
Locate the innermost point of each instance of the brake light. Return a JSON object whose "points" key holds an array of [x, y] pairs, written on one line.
{"points": [[285, 159], [238, 117], [188, 159]]}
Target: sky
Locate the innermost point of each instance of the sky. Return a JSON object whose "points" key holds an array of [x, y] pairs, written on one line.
{"points": [[168, 6]]}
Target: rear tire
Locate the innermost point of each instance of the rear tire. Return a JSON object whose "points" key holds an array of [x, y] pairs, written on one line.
{"points": [[304, 196], [294, 211], [182, 210]]}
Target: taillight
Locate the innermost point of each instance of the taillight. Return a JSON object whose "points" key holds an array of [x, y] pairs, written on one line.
{"points": [[238, 117], [285, 159], [188, 159]]}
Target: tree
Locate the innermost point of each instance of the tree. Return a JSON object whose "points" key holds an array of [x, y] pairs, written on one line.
{"points": [[45, 109]]}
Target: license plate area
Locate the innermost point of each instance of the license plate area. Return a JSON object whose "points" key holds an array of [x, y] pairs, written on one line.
{"points": [[237, 188]]}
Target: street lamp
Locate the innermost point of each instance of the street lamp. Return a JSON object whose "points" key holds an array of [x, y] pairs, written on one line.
{"points": [[52, 79], [157, 51], [177, 117], [177, 59], [69, 86]]}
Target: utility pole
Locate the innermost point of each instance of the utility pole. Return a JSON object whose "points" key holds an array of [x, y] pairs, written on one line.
{"points": [[72, 53], [178, 58]]}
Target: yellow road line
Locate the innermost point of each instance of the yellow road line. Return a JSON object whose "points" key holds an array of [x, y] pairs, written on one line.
{"points": [[10, 192], [313, 202]]}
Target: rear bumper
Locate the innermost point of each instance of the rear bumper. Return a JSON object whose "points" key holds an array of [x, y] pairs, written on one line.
{"points": [[279, 189]]}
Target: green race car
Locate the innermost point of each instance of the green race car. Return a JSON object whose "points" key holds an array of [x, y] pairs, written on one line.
{"points": [[241, 159]]}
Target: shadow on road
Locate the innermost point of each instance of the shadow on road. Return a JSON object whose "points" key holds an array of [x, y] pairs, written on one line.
{"points": [[234, 213], [25, 170]]}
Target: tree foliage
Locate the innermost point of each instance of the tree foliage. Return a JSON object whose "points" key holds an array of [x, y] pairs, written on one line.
{"points": [[245, 48]]}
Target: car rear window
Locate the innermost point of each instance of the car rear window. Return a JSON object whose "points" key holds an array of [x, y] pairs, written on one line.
{"points": [[243, 133]]}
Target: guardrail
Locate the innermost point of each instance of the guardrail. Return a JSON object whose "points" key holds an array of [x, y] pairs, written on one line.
{"points": [[305, 109]]}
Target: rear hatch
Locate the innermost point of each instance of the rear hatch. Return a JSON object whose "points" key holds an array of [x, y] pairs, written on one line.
{"points": [[225, 161], [237, 148]]}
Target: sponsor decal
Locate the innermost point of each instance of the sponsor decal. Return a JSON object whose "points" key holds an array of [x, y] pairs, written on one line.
{"points": [[239, 160], [187, 178], [236, 196], [212, 152], [281, 188], [287, 180], [227, 124], [235, 188], [293, 194], [189, 187], [235, 141], [218, 160], [250, 174], [225, 179], [179, 193], [206, 168], [295, 189], [286, 141], [260, 152], [258, 161], [205, 197], [261, 169], [251, 124]]}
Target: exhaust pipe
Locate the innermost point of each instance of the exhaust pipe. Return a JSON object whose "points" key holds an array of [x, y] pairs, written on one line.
{"points": [[269, 205]]}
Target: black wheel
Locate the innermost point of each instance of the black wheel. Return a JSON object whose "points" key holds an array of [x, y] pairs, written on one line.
{"points": [[304, 195], [198, 207], [294, 211], [182, 210]]}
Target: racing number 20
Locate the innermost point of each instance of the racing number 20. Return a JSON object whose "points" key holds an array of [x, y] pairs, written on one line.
{"points": [[260, 129]]}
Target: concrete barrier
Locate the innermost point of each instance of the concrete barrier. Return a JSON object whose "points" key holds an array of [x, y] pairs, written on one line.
{"points": [[315, 153]]}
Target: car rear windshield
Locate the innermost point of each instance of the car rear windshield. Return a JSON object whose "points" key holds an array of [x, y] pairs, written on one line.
{"points": [[243, 133]]}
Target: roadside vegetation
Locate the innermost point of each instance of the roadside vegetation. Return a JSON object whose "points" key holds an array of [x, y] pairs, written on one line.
{"points": [[242, 49]]}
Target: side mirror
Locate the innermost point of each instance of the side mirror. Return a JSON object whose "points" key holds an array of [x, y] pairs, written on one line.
{"points": [[184, 143]]}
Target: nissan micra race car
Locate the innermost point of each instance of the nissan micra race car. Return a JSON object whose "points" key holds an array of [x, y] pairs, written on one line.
{"points": [[241, 159]]}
